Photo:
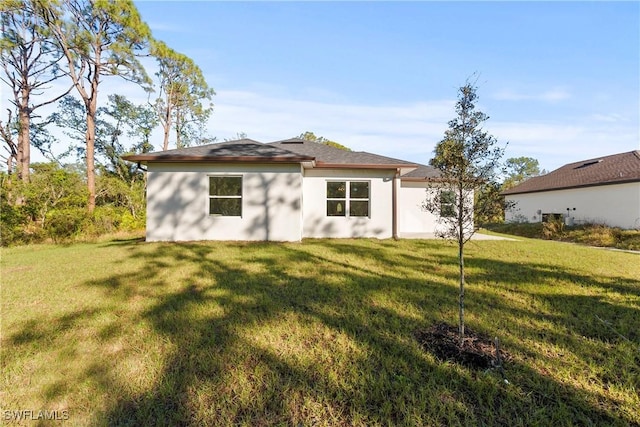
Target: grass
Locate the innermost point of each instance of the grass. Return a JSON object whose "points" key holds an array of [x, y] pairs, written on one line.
{"points": [[317, 333], [585, 234]]}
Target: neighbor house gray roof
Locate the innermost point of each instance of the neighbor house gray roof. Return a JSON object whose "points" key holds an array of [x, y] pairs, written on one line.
{"points": [[242, 150], [328, 156], [615, 169]]}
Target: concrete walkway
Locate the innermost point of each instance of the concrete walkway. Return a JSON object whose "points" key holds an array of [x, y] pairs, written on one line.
{"points": [[476, 236]]}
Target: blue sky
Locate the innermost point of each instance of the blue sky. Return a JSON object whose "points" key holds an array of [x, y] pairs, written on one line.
{"points": [[560, 81]]}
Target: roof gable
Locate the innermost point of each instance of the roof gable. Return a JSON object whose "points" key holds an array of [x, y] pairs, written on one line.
{"points": [[614, 169]]}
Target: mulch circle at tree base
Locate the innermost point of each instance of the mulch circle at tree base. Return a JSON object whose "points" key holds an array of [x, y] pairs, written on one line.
{"points": [[477, 351]]}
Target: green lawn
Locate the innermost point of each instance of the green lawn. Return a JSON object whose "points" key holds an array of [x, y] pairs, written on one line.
{"points": [[317, 333]]}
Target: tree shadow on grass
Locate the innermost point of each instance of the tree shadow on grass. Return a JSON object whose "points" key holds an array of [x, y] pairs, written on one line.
{"points": [[322, 333]]}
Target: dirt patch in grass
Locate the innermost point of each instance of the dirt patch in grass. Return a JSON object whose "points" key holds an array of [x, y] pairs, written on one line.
{"points": [[477, 351]]}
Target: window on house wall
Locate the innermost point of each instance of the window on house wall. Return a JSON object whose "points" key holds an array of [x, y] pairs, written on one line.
{"points": [[225, 195], [348, 198], [447, 204]]}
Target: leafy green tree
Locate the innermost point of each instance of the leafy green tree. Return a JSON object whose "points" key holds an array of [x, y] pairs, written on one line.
{"points": [[519, 169], [467, 158], [8, 132], [97, 38], [184, 97], [488, 204], [30, 64], [136, 122], [310, 136], [117, 123]]}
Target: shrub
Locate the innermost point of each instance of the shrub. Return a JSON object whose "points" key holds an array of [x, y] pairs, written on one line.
{"points": [[62, 224], [131, 223], [553, 229]]}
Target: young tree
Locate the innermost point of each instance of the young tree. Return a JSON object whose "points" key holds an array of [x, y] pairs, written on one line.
{"points": [[182, 95], [467, 157], [98, 38], [30, 64]]}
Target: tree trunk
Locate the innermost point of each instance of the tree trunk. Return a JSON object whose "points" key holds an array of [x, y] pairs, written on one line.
{"points": [[461, 299], [24, 143], [178, 124], [92, 106], [167, 128], [91, 168], [461, 241]]}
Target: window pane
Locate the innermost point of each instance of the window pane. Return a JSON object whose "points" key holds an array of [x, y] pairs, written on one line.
{"points": [[447, 204], [335, 208], [336, 190], [447, 197], [359, 190], [225, 207], [225, 186], [359, 208]]}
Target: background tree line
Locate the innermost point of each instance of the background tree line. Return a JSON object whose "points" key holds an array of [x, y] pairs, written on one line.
{"points": [[60, 52]]}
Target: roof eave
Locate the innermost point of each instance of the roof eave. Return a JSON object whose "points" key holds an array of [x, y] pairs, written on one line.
{"points": [[323, 165], [141, 158], [421, 179], [570, 187]]}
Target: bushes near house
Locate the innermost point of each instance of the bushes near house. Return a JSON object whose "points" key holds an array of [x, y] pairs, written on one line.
{"points": [[586, 234], [52, 206]]}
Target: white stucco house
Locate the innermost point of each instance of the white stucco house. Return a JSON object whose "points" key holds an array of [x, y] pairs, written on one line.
{"points": [[283, 191], [604, 190]]}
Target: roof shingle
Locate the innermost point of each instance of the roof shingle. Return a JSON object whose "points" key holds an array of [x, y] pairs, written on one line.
{"points": [[239, 150], [614, 169], [328, 155]]}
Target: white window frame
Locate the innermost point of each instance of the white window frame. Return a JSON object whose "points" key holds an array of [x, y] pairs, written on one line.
{"points": [[448, 204], [348, 199], [210, 196]]}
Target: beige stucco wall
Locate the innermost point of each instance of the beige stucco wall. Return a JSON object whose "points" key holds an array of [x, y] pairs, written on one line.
{"points": [[615, 205], [412, 218], [316, 223], [178, 203]]}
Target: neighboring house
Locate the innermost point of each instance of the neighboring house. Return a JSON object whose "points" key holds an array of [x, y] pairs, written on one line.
{"points": [[285, 191], [605, 190]]}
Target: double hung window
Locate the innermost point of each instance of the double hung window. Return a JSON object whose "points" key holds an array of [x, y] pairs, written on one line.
{"points": [[447, 204], [225, 195]]}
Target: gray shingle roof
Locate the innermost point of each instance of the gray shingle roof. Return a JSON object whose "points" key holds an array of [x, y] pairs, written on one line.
{"points": [[239, 150], [288, 150], [614, 169], [326, 154], [422, 173]]}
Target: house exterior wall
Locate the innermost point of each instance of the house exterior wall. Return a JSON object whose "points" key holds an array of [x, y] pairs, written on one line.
{"points": [[317, 224], [615, 205], [412, 218], [178, 203]]}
